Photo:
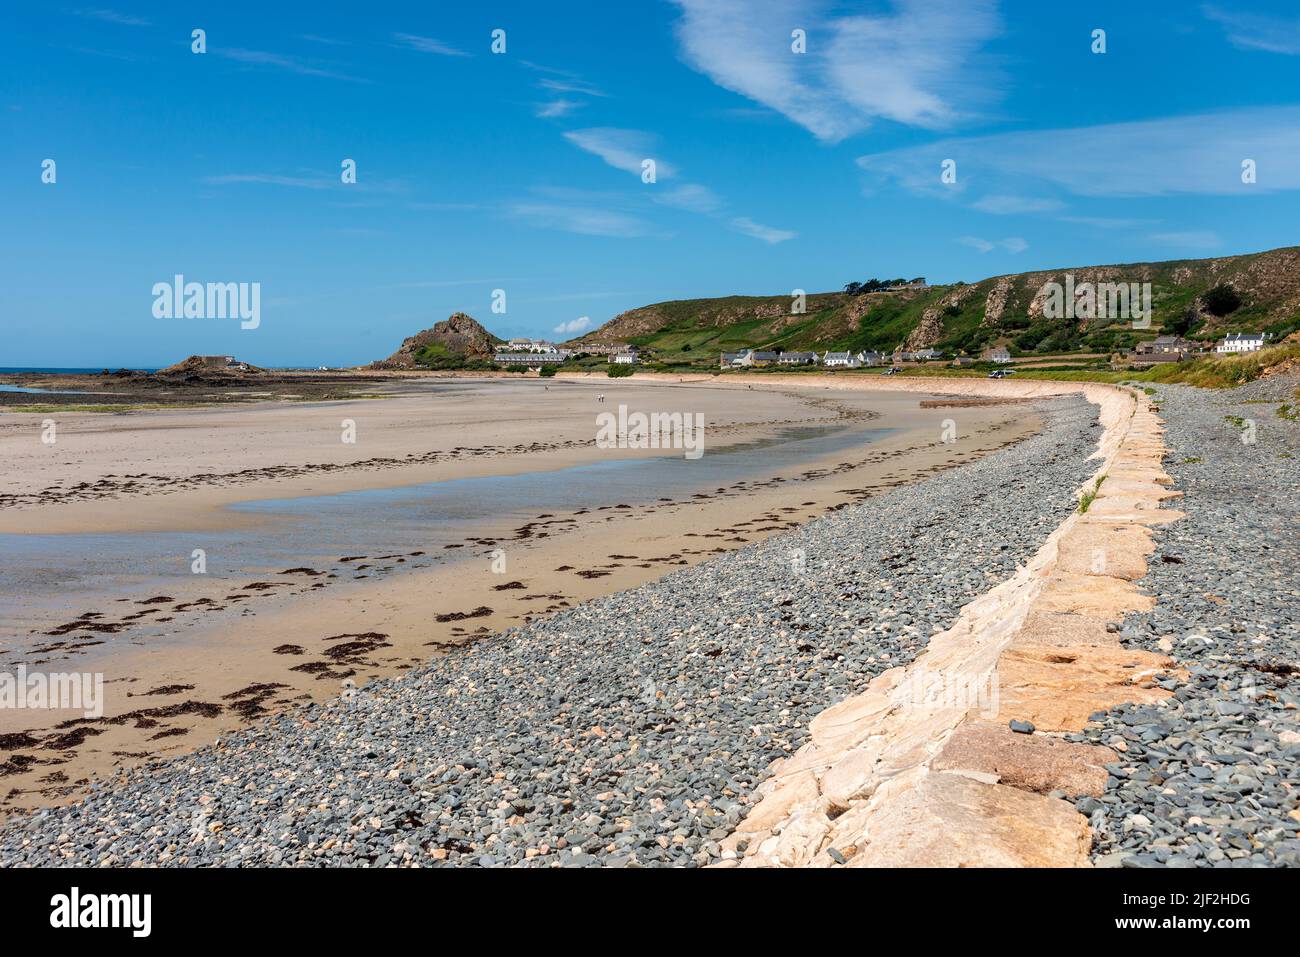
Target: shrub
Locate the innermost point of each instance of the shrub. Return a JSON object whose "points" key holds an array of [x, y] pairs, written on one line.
{"points": [[1182, 324], [547, 371], [618, 372], [1221, 300]]}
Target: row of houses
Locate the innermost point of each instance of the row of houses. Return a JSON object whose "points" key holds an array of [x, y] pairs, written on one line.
{"points": [[538, 352], [1244, 342], [529, 352], [606, 348], [1161, 349], [523, 344], [749, 358], [752, 358], [531, 359], [1176, 348], [1177, 345]]}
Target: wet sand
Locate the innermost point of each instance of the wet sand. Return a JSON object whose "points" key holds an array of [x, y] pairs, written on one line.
{"points": [[182, 667]]}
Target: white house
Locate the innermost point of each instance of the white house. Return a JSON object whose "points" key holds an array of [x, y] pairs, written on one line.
{"points": [[629, 357], [1000, 355], [796, 358], [1243, 342], [603, 348], [842, 360], [526, 344]]}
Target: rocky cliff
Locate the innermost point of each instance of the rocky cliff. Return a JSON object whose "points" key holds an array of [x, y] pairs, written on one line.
{"points": [[457, 337]]}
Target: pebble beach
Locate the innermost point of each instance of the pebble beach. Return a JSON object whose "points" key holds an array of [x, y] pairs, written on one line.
{"points": [[1211, 777], [634, 730], [628, 731]]}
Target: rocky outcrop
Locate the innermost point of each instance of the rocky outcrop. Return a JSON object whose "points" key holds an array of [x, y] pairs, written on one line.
{"points": [[996, 302], [927, 332], [930, 329], [459, 335], [209, 369]]}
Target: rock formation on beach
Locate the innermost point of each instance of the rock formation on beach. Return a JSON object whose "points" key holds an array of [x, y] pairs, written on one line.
{"points": [[458, 336], [206, 366]]}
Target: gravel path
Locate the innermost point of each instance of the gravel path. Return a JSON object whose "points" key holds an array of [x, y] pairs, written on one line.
{"points": [[1211, 778], [629, 730]]}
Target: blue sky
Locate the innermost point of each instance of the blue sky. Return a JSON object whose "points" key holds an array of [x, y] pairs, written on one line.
{"points": [[521, 171]]}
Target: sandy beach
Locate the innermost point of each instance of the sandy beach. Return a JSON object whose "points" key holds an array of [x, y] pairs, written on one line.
{"points": [[186, 657]]}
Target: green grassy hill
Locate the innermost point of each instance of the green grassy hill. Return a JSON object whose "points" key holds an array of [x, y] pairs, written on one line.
{"points": [[967, 318]]}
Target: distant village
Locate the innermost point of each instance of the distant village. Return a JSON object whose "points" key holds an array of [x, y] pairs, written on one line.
{"points": [[1158, 350], [1176, 349], [538, 352], [531, 353], [753, 358]]}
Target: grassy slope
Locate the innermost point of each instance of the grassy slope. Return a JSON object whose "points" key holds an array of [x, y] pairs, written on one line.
{"points": [[692, 332]]}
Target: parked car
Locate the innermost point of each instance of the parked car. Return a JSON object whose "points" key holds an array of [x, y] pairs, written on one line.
{"points": [[892, 371], [999, 373]]}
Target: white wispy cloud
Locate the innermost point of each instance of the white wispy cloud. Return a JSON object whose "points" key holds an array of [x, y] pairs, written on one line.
{"points": [[1189, 239], [281, 62], [110, 54], [690, 196], [768, 234], [1199, 154], [1012, 244], [918, 64], [621, 149], [357, 232], [565, 90], [584, 220], [309, 179], [1107, 222], [580, 296], [1256, 31], [112, 16], [569, 84], [442, 283], [270, 179], [427, 45], [555, 108], [1005, 205], [445, 207], [573, 325], [627, 149]]}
